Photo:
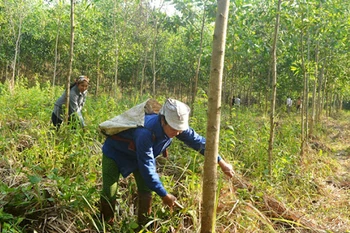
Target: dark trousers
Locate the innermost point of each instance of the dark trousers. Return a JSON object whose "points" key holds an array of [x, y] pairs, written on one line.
{"points": [[56, 121]]}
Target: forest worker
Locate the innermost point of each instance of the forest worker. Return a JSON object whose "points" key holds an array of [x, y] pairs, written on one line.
{"points": [[77, 98], [135, 150]]}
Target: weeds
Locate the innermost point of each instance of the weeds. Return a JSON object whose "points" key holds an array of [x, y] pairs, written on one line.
{"points": [[51, 180]]}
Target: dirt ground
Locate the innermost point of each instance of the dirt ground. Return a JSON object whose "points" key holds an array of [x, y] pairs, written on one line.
{"points": [[336, 215]]}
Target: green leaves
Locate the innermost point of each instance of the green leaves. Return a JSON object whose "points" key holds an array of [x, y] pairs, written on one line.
{"points": [[34, 179]]}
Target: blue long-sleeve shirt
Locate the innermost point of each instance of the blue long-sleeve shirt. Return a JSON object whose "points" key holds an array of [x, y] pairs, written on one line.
{"points": [[149, 141]]}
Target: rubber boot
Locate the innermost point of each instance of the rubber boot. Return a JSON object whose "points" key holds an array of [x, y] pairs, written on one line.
{"points": [[107, 210], [144, 208]]}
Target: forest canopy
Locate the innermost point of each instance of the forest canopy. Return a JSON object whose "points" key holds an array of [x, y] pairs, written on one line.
{"points": [[136, 47]]}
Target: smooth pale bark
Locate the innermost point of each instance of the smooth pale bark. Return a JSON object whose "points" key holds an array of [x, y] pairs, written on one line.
{"points": [[313, 112], [116, 51], [195, 83], [319, 107], [20, 13], [71, 54], [12, 82], [56, 44], [143, 71], [154, 56], [98, 75], [56, 52], [213, 125], [303, 110], [274, 84]]}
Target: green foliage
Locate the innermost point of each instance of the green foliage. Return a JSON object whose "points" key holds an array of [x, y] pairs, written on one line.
{"points": [[134, 41], [45, 170]]}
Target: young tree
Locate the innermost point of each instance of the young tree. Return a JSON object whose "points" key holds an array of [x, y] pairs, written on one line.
{"points": [[59, 10], [195, 81], [274, 84], [16, 12], [213, 125], [71, 54]]}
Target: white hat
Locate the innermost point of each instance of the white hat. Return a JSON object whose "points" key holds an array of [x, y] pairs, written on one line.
{"points": [[176, 114]]}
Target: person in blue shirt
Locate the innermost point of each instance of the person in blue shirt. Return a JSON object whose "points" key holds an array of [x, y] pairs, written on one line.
{"points": [[77, 98], [135, 151]]}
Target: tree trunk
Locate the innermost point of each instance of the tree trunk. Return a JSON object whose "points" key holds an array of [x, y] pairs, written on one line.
{"points": [[306, 92], [274, 87], [313, 114], [116, 65], [213, 124], [324, 93], [56, 51], [12, 81], [319, 95], [154, 57], [143, 71], [97, 76], [195, 83], [71, 54], [303, 100]]}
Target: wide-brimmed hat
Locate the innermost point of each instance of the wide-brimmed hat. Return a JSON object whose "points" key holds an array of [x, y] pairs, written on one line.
{"points": [[176, 114]]}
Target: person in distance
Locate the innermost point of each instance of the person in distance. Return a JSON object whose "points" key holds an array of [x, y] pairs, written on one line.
{"points": [[77, 98]]}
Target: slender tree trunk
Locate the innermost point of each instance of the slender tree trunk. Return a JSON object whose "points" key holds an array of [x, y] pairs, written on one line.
{"points": [[303, 102], [213, 124], [313, 114], [324, 93], [97, 76], [154, 56], [232, 85], [319, 95], [56, 51], [116, 65], [71, 54], [195, 83], [249, 94], [14, 63], [268, 91], [274, 87], [330, 100], [143, 72], [6, 70], [306, 91]]}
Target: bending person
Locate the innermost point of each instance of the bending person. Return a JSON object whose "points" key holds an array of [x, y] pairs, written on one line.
{"points": [[77, 98], [135, 151]]}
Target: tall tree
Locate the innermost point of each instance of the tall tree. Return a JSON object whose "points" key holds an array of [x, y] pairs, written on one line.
{"points": [[304, 106], [274, 85], [116, 51], [59, 9], [196, 76], [213, 124], [16, 12], [71, 54]]}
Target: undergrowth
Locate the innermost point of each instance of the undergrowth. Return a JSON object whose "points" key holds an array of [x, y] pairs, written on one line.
{"points": [[50, 181]]}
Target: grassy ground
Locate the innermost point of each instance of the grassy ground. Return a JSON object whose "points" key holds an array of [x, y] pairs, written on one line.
{"points": [[50, 180]]}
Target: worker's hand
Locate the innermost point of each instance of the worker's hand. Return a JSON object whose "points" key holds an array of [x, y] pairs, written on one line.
{"points": [[169, 200], [226, 168]]}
